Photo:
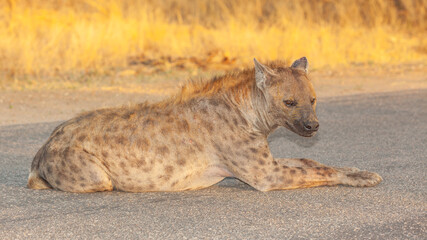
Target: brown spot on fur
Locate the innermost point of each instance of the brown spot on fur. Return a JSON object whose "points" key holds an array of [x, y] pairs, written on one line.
{"points": [[170, 120], [237, 144], [82, 161], [276, 169], [306, 162], [214, 102], [128, 115], [109, 116], [97, 140], [140, 163], [265, 155], [121, 140], [181, 161], [225, 120], [169, 169], [199, 146], [106, 138], [148, 121], [204, 110], [165, 130], [74, 168], [227, 107], [81, 137], [358, 175], [254, 150], [122, 165], [105, 154], [143, 143], [261, 162], [58, 182], [163, 150], [235, 122], [73, 180], [293, 171], [164, 177], [65, 152], [217, 147], [303, 171], [183, 126], [208, 126]]}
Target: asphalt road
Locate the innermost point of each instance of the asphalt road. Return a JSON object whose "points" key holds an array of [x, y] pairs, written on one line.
{"points": [[385, 133]]}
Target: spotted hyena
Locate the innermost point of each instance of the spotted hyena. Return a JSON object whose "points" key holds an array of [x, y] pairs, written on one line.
{"points": [[208, 131]]}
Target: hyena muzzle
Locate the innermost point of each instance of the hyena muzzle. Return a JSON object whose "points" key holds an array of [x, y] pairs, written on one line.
{"points": [[208, 131]]}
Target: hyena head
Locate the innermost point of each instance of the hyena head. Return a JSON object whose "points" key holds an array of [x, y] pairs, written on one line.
{"points": [[289, 95]]}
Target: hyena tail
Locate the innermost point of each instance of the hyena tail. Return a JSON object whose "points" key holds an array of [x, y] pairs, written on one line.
{"points": [[35, 181]]}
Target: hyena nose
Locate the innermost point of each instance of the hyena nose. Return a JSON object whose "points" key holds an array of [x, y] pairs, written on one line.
{"points": [[311, 126]]}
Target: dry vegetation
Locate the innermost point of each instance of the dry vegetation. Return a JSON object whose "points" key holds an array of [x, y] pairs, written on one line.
{"points": [[103, 37]]}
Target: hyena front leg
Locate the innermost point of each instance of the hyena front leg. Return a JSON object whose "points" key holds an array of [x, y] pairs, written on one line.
{"points": [[298, 162], [303, 173]]}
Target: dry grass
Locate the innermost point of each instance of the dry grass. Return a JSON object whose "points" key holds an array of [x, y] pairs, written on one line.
{"points": [[54, 37]]}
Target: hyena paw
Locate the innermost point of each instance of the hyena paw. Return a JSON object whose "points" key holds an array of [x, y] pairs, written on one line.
{"points": [[362, 179]]}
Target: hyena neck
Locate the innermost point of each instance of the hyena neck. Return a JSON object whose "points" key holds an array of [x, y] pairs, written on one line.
{"points": [[237, 91], [265, 123], [253, 107]]}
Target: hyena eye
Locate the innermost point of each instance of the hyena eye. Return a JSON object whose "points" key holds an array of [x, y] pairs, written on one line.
{"points": [[313, 100], [290, 103]]}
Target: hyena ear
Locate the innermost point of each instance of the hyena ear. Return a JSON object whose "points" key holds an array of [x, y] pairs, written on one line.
{"points": [[301, 63], [262, 73]]}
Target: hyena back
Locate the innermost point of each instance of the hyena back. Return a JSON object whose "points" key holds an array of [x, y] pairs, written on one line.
{"points": [[209, 131]]}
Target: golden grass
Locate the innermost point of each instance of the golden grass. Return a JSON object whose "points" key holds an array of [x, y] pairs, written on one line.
{"points": [[53, 37]]}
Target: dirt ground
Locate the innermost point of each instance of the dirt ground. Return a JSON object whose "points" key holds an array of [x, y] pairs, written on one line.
{"points": [[21, 106]]}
